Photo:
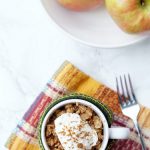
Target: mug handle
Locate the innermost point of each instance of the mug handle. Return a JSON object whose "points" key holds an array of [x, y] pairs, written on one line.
{"points": [[119, 133]]}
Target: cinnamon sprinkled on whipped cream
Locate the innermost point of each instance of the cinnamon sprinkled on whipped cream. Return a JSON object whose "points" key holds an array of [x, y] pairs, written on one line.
{"points": [[74, 133]]}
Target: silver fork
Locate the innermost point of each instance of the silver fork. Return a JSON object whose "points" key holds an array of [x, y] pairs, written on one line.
{"points": [[128, 102]]}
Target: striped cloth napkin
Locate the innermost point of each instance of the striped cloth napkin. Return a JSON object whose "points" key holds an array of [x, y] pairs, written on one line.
{"points": [[66, 80]]}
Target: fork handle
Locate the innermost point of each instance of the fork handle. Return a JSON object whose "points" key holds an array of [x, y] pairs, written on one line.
{"points": [[140, 135]]}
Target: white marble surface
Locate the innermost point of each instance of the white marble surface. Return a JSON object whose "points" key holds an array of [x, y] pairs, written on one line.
{"points": [[32, 48]]}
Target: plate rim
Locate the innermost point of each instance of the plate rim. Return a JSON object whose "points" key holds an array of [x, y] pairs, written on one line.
{"points": [[62, 29]]}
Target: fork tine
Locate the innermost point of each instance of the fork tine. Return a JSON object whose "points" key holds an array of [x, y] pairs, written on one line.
{"points": [[122, 88], [125, 100], [127, 89], [119, 93], [132, 91]]}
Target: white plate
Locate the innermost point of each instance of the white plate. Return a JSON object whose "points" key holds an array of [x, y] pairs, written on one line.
{"points": [[94, 28]]}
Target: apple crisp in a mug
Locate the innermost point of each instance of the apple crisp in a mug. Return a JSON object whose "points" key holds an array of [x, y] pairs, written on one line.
{"points": [[74, 126]]}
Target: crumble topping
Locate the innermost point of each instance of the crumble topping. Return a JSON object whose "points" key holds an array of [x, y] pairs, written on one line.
{"points": [[88, 120]]}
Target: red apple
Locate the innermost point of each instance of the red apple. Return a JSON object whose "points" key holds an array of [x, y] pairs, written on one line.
{"points": [[80, 5]]}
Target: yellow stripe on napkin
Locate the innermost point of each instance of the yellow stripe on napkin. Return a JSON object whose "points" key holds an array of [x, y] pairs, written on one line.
{"points": [[75, 80]]}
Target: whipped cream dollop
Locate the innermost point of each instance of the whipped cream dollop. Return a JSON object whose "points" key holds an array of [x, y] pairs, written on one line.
{"points": [[74, 133]]}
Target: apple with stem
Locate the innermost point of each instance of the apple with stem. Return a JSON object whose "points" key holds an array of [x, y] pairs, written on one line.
{"points": [[132, 16], [80, 5]]}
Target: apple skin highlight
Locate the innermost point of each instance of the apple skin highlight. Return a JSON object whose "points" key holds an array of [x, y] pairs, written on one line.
{"points": [[80, 5], [132, 16]]}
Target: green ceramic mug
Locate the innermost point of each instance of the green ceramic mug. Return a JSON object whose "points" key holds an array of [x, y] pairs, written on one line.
{"points": [[100, 109]]}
